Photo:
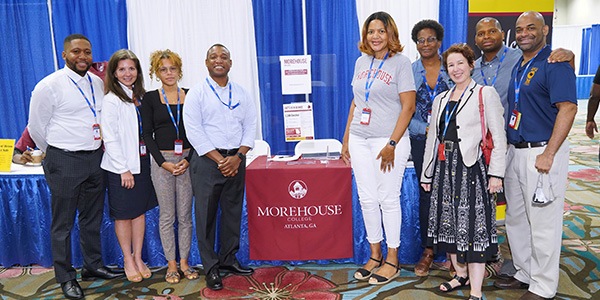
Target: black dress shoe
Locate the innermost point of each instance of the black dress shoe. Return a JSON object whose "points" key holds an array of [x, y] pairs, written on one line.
{"points": [[510, 283], [100, 273], [237, 269], [71, 289], [213, 279]]}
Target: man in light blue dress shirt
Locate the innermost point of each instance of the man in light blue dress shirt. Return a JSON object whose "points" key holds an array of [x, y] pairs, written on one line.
{"points": [[220, 120]]}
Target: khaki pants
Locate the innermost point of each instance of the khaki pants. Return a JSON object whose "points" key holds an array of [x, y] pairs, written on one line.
{"points": [[535, 231]]}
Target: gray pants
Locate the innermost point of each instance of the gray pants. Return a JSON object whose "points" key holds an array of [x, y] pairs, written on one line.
{"points": [[174, 195]]}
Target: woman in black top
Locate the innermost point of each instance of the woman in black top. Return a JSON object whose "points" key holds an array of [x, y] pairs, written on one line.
{"points": [[166, 141]]}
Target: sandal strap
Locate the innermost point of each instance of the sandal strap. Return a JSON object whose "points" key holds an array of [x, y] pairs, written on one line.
{"points": [[448, 287], [391, 264], [379, 261], [190, 270], [461, 280], [364, 272], [172, 277]]}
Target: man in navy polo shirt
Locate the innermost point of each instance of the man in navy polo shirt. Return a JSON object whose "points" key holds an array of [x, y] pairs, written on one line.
{"points": [[542, 105]]}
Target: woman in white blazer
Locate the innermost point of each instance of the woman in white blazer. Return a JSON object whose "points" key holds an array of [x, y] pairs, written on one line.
{"points": [[130, 190], [462, 217]]}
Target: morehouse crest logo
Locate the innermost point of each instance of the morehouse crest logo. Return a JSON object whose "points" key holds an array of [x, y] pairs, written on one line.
{"points": [[297, 189]]}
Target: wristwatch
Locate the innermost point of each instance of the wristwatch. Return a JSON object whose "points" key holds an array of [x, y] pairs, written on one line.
{"points": [[393, 143], [241, 155]]}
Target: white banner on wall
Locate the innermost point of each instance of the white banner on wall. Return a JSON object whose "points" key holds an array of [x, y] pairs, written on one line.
{"points": [[295, 74], [298, 121]]}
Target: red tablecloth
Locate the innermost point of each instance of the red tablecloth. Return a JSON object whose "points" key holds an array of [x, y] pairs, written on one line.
{"points": [[300, 210]]}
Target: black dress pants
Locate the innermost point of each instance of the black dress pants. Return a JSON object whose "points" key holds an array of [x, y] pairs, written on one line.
{"points": [[76, 182], [211, 191]]}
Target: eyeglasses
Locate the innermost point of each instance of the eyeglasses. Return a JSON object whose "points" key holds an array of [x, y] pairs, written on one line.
{"points": [[171, 69], [430, 40]]}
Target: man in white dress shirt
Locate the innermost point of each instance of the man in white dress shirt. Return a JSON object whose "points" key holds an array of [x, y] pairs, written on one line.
{"points": [[220, 121], [63, 121]]}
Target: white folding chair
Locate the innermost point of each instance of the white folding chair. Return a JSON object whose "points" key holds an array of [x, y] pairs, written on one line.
{"points": [[318, 146], [260, 148]]}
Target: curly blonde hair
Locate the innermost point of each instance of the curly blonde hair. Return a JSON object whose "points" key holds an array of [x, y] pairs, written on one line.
{"points": [[157, 56]]}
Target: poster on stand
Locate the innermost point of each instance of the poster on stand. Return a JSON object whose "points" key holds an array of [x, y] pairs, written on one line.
{"points": [[298, 121], [295, 74]]}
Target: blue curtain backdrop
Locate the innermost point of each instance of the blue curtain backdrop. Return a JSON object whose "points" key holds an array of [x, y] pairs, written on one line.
{"points": [[103, 22], [453, 16], [332, 33], [274, 21], [590, 50], [26, 56], [584, 64], [332, 41]]}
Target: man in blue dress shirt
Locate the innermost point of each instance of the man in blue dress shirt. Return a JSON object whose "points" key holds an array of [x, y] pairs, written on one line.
{"points": [[220, 120]]}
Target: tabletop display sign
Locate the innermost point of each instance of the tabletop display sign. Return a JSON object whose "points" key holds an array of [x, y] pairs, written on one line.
{"points": [[295, 74], [6, 154], [298, 121], [299, 211]]}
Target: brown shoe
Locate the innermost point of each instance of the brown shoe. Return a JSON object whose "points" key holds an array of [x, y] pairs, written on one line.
{"points": [[510, 283], [422, 267], [532, 296]]}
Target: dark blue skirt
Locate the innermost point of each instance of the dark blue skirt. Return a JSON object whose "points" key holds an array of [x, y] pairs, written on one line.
{"points": [[131, 203]]}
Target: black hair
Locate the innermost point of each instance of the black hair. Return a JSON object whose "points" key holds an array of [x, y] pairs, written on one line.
{"points": [[431, 24]]}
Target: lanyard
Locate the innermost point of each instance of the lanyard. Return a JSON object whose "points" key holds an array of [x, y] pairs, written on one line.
{"points": [[369, 84], [139, 120], [171, 113], [432, 93], [518, 84], [214, 91], [497, 69], [449, 114], [92, 108]]}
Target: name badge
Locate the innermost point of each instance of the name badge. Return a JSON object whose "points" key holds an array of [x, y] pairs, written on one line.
{"points": [[515, 120], [429, 117], [142, 148], [441, 150], [96, 130], [178, 149], [365, 117]]}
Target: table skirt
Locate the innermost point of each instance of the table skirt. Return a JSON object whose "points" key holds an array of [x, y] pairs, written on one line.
{"points": [[26, 219]]}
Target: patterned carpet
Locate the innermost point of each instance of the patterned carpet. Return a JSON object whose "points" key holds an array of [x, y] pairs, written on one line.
{"points": [[579, 278]]}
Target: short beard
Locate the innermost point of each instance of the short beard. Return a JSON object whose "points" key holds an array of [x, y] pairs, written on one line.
{"points": [[74, 68]]}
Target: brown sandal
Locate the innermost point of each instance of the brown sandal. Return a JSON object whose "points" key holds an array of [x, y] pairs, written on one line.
{"points": [[172, 277], [190, 274], [422, 267]]}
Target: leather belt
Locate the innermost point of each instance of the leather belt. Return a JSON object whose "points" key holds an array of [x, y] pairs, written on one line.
{"points": [[530, 145], [228, 152], [76, 151]]}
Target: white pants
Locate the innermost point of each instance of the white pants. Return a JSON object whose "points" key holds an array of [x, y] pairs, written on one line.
{"points": [[379, 192], [535, 231]]}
